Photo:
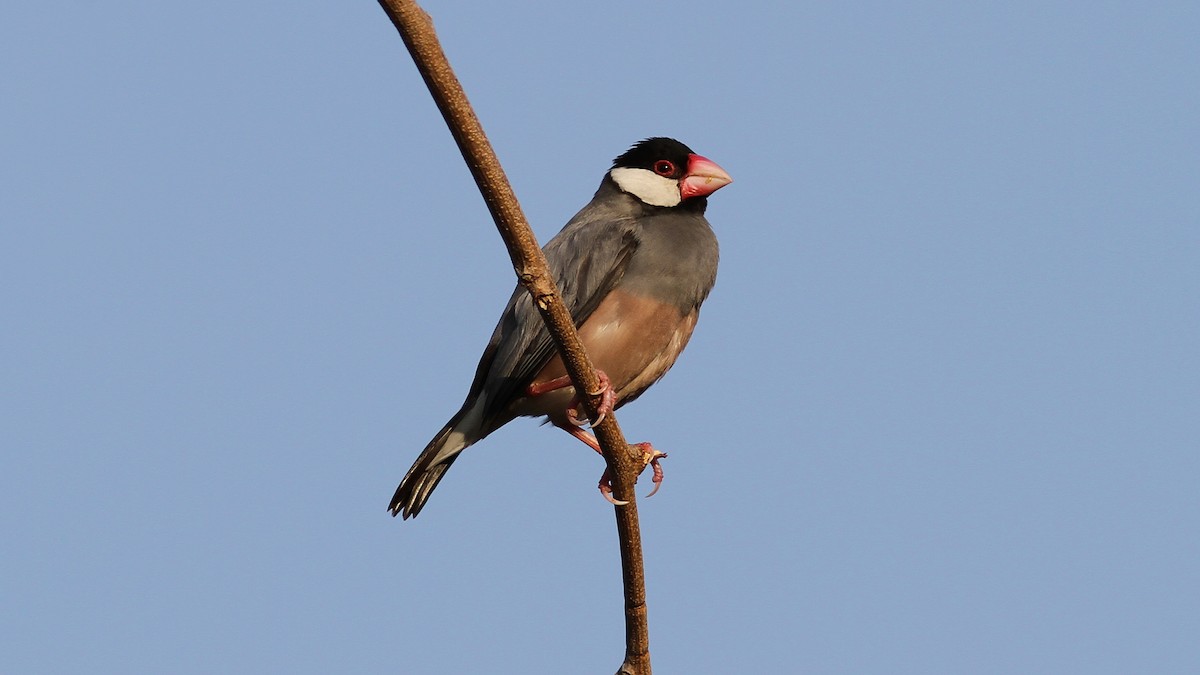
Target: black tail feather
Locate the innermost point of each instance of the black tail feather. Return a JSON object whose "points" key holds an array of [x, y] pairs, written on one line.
{"points": [[424, 475]]}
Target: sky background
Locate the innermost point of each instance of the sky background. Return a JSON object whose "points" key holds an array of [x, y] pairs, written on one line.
{"points": [[940, 414]]}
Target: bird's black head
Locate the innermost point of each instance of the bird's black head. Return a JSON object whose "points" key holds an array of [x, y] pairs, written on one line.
{"points": [[663, 172], [664, 156]]}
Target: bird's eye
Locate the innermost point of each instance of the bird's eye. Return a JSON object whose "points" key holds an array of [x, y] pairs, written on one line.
{"points": [[664, 168]]}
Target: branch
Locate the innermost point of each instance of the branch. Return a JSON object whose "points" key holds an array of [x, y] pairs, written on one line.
{"points": [[624, 462]]}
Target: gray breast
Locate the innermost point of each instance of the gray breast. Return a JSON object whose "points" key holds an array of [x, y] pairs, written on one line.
{"points": [[675, 262]]}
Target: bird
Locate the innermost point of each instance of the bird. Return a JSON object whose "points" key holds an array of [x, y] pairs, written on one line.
{"points": [[633, 267]]}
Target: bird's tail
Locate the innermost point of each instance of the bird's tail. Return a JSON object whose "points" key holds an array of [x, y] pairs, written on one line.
{"points": [[460, 432]]}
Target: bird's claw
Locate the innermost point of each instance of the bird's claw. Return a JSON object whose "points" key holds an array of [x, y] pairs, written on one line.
{"points": [[608, 399], [606, 491], [658, 474], [650, 457], [573, 417]]}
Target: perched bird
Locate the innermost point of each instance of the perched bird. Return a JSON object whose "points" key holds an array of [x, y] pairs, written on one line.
{"points": [[633, 267]]}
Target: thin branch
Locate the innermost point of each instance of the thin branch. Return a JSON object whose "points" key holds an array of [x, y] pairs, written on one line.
{"points": [[416, 28]]}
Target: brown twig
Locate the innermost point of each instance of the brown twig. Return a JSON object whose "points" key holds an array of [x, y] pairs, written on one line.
{"points": [[416, 28]]}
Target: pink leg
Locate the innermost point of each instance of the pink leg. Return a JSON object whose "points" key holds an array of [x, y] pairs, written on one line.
{"points": [[608, 397]]}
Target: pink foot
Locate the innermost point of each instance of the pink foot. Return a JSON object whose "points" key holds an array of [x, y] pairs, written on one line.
{"points": [[650, 457], [606, 490], [608, 397]]}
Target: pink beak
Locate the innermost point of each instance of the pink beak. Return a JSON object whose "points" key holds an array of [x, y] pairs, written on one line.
{"points": [[703, 178]]}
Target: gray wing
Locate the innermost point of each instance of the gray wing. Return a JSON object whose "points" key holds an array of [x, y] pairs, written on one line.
{"points": [[588, 258]]}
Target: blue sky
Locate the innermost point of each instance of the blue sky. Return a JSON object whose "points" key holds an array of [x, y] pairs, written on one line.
{"points": [[940, 414]]}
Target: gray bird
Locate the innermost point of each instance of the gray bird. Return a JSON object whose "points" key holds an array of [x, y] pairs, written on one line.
{"points": [[633, 267]]}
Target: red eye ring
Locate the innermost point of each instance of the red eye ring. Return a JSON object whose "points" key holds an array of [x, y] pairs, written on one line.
{"points": [[664, 168]]}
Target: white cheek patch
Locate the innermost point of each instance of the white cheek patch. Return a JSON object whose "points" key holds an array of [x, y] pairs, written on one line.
{"points": [[647, 186]]}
